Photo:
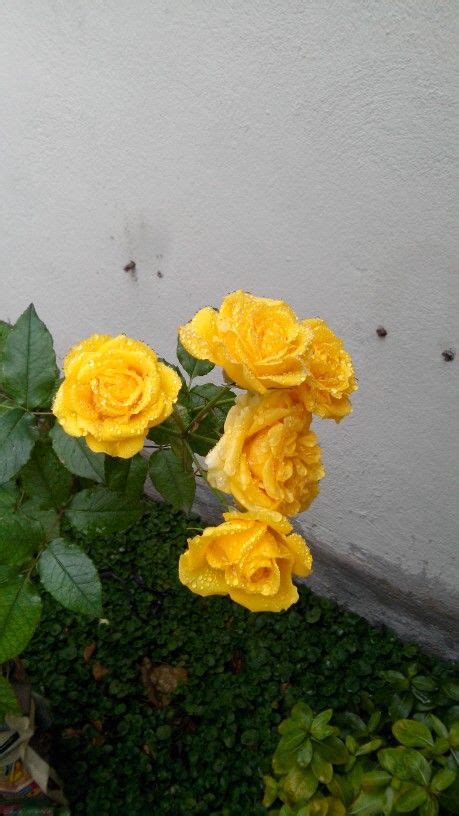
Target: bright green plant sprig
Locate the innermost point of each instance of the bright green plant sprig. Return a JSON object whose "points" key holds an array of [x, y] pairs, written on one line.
{"points": [[364, 768], [52, 483]]}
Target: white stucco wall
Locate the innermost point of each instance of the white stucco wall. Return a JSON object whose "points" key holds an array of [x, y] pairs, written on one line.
{"points": [[302, 150]]}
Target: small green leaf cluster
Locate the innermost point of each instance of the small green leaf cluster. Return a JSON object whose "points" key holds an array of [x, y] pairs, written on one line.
{"points": [[207, 751], [332, 767], [194, 428], [50, 484], [53, 485]]}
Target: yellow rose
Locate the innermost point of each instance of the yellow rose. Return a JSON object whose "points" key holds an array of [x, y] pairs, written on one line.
{"points": [[250, 557], [259, 342], [114, 390], [267, 456], [331, 377]]}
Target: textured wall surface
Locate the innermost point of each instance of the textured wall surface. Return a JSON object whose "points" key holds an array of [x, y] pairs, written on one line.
{"points": [[296, 149]]}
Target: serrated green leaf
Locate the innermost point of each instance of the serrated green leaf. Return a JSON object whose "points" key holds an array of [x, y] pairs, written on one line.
{"points": [[412, 734], [126, 475], [48, 520], [164, 433], [17, 438], [100, 510], [45, 478], [19, 539], [168, 476], [20, 608], [71, 577], [205, 436], [9, 703], [75, 455], [192, 366], [30, 373]]}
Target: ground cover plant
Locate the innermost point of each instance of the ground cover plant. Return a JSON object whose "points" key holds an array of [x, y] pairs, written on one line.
{"points": [[172, 705]]}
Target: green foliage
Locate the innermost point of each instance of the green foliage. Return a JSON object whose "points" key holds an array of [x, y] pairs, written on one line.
{"points": [[176, 485], [126, 476], [192, 366], [17, 438], [44, 478], [51, 483], [49, 480], [100, 510], [195, 427], [20, 608], [75, 455], [29, 370], [71, 578], [369, 776], [20, 537], [207, 751]]}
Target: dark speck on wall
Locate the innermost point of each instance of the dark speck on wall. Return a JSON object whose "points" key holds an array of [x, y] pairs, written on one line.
{"points": [[381, 331], [159, 274], [130, 267], [448, 355]]}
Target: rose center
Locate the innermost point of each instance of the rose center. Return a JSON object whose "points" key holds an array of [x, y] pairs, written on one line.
{"points": [[116, 392]]}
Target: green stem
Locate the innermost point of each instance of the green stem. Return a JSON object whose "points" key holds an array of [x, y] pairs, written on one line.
{"points": [[209, 405], [203, 473], [195, 460]]}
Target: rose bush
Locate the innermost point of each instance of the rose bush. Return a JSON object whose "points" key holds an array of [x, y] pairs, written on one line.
{"points": [[70, 453]]}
